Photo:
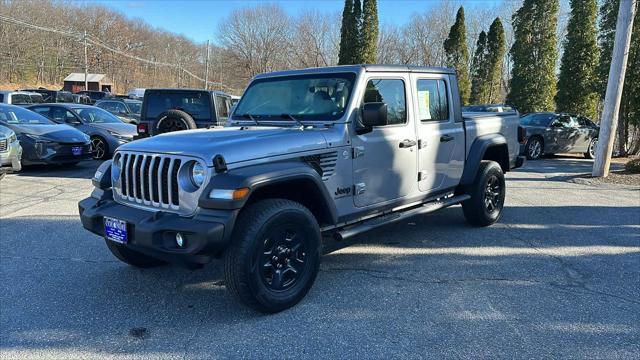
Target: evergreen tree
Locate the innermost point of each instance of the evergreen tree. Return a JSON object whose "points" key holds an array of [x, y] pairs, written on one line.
{"points": [[369, 31], [629, 114], [356, 33], [534, 54], [478, 71], [345, 54], [496, 47], [577, 82], [457, 54]]}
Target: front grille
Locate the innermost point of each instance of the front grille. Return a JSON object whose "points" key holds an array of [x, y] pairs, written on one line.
{"points": [[4, 145], [150, 180]]}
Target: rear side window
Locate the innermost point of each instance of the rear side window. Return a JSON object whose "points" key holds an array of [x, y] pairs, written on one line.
{"points": [[222, 107], [21, 99], [390, 92], [433, 103], [64, 97], [196, 104], [1, 97]]}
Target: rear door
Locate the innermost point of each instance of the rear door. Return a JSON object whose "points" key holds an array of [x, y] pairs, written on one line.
{"points": [[440, 138], [385, 158]]}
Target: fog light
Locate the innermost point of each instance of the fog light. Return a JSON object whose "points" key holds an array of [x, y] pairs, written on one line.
{"points": [[179, 240]]}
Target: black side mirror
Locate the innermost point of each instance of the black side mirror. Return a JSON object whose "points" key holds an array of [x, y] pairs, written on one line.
{"points": [[374, 114]]}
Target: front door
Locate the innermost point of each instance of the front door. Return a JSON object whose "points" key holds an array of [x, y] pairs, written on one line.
{"points": [[385, 158], [441, 139]]}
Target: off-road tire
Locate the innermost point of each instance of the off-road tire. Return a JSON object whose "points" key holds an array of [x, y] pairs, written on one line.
{"points": [[591, 151], [174, 120], [244, 268], [530, 149], [476, 210], [132, 257]]}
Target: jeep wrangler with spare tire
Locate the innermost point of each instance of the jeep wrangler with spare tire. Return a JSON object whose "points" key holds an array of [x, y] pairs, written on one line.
{"points": [[167, 110], [307, 155]]}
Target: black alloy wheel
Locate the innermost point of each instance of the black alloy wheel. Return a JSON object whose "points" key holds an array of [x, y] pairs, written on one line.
{"points": [[283, 257], [99, 147]]}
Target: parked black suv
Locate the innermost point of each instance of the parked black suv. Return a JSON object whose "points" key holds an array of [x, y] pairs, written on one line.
{"points": [[166, 110], [95, 95]]}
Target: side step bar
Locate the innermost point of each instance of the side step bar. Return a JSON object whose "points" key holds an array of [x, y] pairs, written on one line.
{"points": [[371, 224]]}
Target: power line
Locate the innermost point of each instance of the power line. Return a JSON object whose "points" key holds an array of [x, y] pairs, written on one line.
{"points": [[99, 43]]}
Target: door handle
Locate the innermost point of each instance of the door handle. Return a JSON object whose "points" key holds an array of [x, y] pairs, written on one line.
{"points": [[407, 144], [446, 138]]}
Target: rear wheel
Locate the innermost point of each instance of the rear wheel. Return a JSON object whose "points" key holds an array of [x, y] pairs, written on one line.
{"points": [[487, 195], [275, 255], [534, 148], [591, 151], [132, 257]]}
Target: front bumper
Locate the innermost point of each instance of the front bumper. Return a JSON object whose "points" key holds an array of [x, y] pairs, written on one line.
{"points": [[10, 160], [55, 153], [207, 233]]}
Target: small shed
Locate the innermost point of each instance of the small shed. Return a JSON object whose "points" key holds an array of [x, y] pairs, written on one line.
{"points": [[98, 82]]}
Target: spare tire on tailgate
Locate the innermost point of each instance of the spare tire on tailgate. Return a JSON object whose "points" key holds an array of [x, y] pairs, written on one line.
{"points": [[174, 120]]}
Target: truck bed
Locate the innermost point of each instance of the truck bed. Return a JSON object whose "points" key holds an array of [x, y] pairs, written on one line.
{"points": [[478, 124]]}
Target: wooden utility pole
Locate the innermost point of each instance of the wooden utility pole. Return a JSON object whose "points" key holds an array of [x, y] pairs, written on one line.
{"points": [[615, 84], [86, 62], [206, 72]]}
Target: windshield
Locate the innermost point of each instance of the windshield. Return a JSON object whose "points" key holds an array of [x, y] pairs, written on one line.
{"points": [[305, 97], [134, 106], [17, 115], [537, 119], [96, 116]]}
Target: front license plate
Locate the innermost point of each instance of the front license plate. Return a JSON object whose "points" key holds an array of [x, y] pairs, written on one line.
{"points": [[76, 150], [115, 230]]}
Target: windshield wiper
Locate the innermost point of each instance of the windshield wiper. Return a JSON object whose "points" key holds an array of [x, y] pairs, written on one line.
{"points": [[291, 117], [250, 117]]}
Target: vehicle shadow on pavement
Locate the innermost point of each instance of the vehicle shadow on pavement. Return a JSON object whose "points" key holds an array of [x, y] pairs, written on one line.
{"points": [[538, 270], [82, 170]]}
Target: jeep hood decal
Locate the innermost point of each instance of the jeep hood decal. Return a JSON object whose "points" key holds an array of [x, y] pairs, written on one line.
{"points": [[235, 144]]}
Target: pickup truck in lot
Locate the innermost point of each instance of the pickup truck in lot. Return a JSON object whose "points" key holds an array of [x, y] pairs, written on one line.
{"points": [[307, 155]]}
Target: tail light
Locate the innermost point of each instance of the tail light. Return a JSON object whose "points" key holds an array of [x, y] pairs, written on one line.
{"points": [[142, 128], [522, 135]]}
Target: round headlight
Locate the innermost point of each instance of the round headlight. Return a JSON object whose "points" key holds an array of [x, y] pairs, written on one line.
{"points": [[197, 174]]}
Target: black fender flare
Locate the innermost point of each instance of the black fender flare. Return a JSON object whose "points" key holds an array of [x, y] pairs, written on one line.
{"points": [[476, 154], [259, 176]]}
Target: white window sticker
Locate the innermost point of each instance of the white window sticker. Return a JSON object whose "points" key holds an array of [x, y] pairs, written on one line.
{"points": [[423, 105]]}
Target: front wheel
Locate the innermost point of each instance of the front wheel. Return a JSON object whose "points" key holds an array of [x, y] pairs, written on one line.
{"points": [[591, 152], [487, 195], [100, 148], [275, 255]]}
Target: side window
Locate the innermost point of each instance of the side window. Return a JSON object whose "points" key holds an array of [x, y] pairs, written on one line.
{"points": [[119, 107], [222, 108], [44, 111], [433, 103], [562, 121], [390, 92]]}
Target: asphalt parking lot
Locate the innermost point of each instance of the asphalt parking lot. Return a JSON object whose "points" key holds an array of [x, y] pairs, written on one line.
{"points": [[559, 276]]}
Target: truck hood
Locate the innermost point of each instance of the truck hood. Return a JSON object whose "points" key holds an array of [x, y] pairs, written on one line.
{"points": [[235, 144]]}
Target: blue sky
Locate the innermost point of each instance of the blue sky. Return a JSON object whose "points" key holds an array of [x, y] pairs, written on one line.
{"points": [[199, 20]]}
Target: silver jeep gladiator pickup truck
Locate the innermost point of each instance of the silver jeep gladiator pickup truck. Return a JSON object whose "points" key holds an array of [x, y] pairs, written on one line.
{"points": [[307, 155]]}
